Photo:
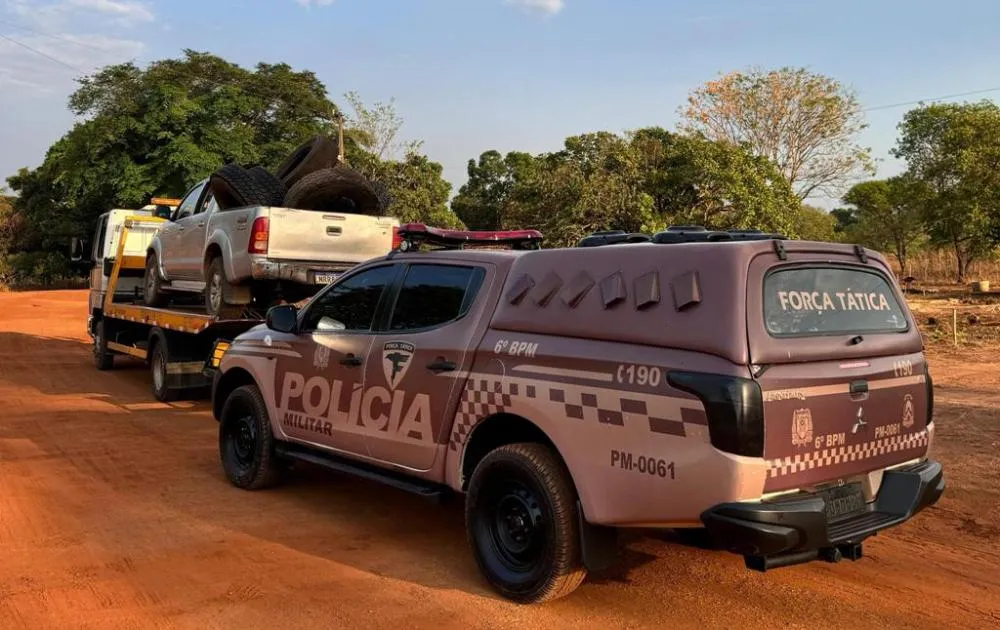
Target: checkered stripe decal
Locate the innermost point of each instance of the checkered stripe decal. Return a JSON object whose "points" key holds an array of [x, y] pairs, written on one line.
{"points": [[851, 453], [485, 397]]}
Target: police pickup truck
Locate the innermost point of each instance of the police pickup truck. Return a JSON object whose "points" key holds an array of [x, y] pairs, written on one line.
{"points": [[772, 393]]}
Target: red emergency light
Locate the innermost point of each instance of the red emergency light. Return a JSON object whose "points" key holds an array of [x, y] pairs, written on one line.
{"points": [[413, 235]]}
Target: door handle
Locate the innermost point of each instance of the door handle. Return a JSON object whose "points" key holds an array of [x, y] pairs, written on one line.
{"points": [[441, 365], [202, 224], [351, 360]]}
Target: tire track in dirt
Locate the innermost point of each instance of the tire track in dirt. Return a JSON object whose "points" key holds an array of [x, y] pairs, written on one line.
{"points": [[114, 513]]}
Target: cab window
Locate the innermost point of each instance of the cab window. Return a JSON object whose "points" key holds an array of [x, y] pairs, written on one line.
{"points": [[102, 229], [432, 295], [350, 305], [189, 203]]}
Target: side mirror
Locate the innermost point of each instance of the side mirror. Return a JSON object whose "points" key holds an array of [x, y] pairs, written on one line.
{"points": [[282, 318], [163, 212], [76, 249]]}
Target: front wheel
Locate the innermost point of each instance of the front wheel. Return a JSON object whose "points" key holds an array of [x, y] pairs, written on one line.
{"points": [[521, 519], [153, 294], [103, 358], [246, 444]]}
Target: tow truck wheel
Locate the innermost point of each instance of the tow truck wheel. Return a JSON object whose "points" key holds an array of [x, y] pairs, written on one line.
{"points": [[522, 523], [246, 444], [158, 360], [152, 293], [103, 359], [216, 290]]}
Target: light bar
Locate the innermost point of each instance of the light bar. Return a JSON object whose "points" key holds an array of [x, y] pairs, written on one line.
{"points": [[414, 233]]}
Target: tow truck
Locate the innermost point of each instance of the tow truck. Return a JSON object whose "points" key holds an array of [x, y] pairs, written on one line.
{"points": [[176, 342]]}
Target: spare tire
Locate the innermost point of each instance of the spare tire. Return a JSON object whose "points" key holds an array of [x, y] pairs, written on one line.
{"points": [[269, 183], [339, 189], [316, 153], [234, 187]]}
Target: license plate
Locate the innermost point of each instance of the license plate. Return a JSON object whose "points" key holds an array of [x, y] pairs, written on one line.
{"points": [[844, 501], [324, 278]]}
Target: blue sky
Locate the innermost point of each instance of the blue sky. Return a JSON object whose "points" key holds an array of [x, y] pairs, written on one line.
{"points": [[472, 75]]}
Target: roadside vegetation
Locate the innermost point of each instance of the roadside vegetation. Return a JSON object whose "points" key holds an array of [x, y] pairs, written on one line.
{"points": [[754, 149]]}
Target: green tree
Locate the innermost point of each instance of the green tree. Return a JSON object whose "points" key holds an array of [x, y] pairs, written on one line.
{"points": [[889, 215], [419, 192], [953, 151], [805, 123], [814, 224], [158, 130]]}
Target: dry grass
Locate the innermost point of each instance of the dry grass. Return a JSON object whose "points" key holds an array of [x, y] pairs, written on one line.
{"points": [[938, 267]]}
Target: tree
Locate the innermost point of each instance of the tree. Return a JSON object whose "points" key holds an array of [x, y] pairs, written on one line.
{"points": [[953, 151], [419, 193], [805, 123], [160, 129], [377, 128], [814, 224], [889, 215], [642, 181]]}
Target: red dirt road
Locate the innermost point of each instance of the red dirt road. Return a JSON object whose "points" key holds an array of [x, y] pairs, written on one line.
{"points": [[114, 513]]}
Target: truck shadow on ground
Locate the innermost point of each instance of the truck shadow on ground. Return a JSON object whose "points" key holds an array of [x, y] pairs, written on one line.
{"points": [[62, 366]]}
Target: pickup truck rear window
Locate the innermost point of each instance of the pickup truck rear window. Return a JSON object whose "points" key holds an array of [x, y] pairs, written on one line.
{"points": [[806, 301]]}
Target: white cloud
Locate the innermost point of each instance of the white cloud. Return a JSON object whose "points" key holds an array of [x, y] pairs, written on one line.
{"points": [[545, 6], [55, 14], [53, 61], [314, 3], [127, 10]]}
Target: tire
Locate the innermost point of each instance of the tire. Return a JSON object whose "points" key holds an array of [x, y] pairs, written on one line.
{"points": [[316, 153], [153, 294], [103, 359], [234, 187], [521, 520], [158, 360], [246, 443], [217, 288], [339, 189], [275, 188]]}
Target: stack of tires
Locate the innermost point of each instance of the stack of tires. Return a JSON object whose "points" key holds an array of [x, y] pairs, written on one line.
{"points": [[310, 179]]}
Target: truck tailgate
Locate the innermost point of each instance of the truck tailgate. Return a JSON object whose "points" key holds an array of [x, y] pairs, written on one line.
{"points": [[327, 236]]}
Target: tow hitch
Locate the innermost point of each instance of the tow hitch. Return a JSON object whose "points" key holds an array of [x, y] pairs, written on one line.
{"points": [[853, 551]]}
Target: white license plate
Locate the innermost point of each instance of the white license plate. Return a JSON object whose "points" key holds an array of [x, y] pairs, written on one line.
{"points": [[325, 278]]}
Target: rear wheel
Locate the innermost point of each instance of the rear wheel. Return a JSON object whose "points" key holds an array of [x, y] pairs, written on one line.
{"points": [[103, 359], [246, 444], [158, 360], [522, 523], [217, 288]]}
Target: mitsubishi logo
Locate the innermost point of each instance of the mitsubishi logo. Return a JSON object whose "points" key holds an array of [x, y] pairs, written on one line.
{"points": [[861, 420]]}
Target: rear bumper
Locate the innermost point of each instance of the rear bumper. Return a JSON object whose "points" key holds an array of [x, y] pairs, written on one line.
{"points": [[301, 272], [796, 530]]}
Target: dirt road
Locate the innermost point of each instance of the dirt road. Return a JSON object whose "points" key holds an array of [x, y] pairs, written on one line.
{"points": [[114, 513]]}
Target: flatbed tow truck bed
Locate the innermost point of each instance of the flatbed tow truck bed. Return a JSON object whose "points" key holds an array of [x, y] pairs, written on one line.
{"points": [[179, 344]]}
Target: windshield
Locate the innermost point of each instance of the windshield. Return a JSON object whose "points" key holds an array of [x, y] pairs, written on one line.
{"points": [[802, 301]]}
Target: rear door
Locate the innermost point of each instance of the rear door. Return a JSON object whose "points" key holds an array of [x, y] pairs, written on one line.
{"points": [[172, 256], [329, 237], [840, 365]]}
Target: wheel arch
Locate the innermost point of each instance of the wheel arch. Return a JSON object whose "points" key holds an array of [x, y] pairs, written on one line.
{"points": [[499, 430], [228, 382], [155, 249]]}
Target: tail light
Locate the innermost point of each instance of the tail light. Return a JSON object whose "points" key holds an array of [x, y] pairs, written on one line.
{"points": [[397, 239], [258, 236], [735, 410]]}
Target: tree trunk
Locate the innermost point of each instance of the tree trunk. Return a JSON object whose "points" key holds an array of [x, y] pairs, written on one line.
{"points": [[961, 262]]}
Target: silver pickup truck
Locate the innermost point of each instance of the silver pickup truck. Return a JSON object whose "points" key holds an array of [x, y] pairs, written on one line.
{"points": [[254, 254]]}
